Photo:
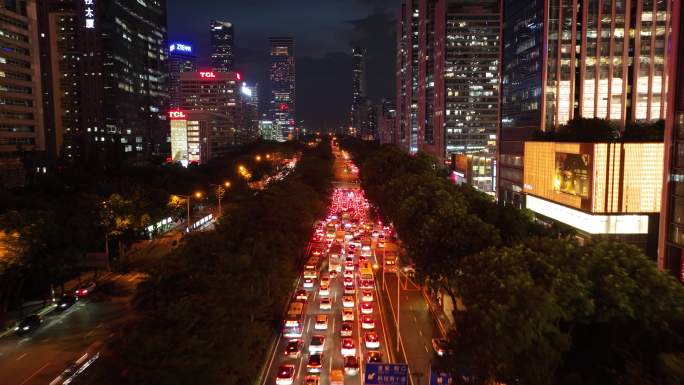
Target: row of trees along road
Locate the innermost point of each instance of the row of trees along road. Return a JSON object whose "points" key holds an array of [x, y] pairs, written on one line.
{"points": [[538, 308], [47, 226], [206, 313]]}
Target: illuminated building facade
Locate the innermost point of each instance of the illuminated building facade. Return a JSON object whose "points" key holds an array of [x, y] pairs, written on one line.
{"points": [[600, 189], [269, 131], [597, 58], [222, 93], [199, 136], [60, 65], [21, 110], [358, 88], [283, 92], [222, 45], [124, 80], [671, 244], [474, 170], [387, 118], [181, 59], [408, 21]]}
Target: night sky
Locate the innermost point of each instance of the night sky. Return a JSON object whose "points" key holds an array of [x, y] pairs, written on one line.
{"points": [[324, 32]]}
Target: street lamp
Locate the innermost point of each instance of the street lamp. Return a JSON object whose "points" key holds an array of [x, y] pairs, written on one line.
{"points": [[187, 198], [220, 191], [258, 158]]}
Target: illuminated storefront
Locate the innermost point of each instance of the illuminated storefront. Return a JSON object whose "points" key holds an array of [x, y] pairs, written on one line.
{"points": [[596, 188]]}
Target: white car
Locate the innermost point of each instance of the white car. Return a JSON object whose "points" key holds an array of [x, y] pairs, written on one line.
{"points": [[367, 296], [308, 283], [366, 308], [326, 303], [324, 290], [372, 341], [348, 301], [349, 274], [367, 322], [347, 315], [317, 344], [348, 348], [321, 322], [286, 374]]}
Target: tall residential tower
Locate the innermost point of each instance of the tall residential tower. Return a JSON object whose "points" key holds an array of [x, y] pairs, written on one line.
{"points": [[222, 45], [283, 92]]}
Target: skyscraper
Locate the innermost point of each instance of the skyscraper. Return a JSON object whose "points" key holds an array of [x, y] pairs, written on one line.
{"points": [[181, 59], [283, 92], [21, 109], [588, 58], [407, 73], [671, 243], [124, 85], [60, 73], [358, 87], [222, 45]]}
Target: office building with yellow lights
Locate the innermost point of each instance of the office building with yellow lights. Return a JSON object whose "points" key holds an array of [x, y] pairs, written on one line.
{"points": [[602, 190]]}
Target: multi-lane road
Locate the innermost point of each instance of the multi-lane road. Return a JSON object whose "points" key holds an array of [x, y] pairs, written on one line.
{"points": [[347, 196], [64, 337]]}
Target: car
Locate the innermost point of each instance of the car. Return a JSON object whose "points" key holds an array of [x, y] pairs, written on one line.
{"points": [[348, 301], [66, 302], [381, 244], [349, 274], [349, 290], [347, 329], [308, 283], [349, 258], [311, 380], [348, 282], [349, 266], [441, 346], [321, 322], [375, 234], [317, 344], [302, 295], [367, 296], [29, 324], [293, 348], [372, 341], [326, 303], [367, 322], [333, 273], [325, 279], [85, 289], [348, 348], [366, 308], [366, 284], [373, 356], [347, 315], [409, 270], [324, 290], [351, 365], [315, 363], [286, 374]]}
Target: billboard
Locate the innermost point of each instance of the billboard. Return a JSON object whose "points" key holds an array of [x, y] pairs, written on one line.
{"points": [[572, 174]]}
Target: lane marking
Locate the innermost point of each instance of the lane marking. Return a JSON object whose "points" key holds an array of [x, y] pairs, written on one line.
{"points": [[21, 356], [426, 349], [420, 332], [35, 373]]}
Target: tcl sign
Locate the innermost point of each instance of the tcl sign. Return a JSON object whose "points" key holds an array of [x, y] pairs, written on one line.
{"points": [[207, 75], [176, 115]]}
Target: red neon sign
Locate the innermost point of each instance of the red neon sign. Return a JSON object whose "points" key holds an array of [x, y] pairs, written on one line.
{"points": [[175, 115], [239, 76], [207, 75]]}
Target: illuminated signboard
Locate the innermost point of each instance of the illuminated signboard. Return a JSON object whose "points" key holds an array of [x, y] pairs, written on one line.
{"points": [[180, 47], [89, 13], [239, 77], [572, 174], [207, 75], [175, 115]]}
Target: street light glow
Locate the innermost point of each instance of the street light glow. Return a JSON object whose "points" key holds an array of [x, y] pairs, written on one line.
{"points": [[227, 184], [258, 158], [198, 195]]}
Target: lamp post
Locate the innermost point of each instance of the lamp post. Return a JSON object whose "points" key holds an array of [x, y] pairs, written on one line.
{"points": [[187, 198], [220, 191]]}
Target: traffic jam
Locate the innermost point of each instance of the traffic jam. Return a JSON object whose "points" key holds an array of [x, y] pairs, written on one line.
{"points": [[334, 324]]}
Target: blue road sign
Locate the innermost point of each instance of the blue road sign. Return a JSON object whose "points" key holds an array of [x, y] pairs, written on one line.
{"points": [[386, 374], [441, 378]]}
